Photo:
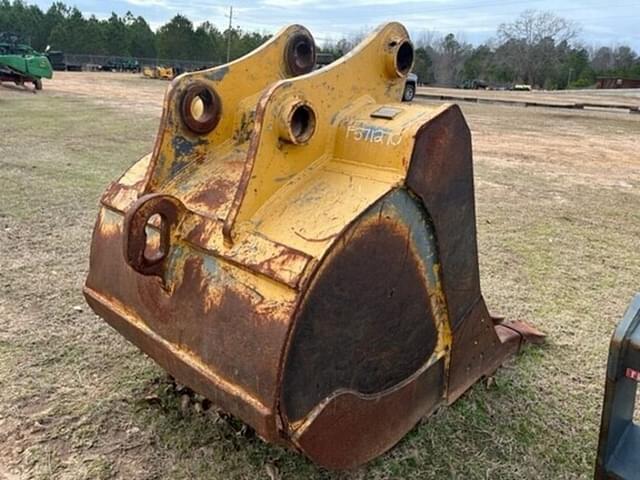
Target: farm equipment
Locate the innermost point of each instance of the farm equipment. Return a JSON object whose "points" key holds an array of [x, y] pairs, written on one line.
{"points": [[149, 72], [162, 72], [300, 248], [59, 62], [474, 84], [120, 64], [21, 64], [165, 73], [619, 444]]}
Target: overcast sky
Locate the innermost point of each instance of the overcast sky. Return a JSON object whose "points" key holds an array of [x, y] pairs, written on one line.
{"points": [[602, 22]]}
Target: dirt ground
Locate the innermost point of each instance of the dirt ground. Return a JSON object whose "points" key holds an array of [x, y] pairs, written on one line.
{"points": [[558, 197], [629, 96], [112, 89]]}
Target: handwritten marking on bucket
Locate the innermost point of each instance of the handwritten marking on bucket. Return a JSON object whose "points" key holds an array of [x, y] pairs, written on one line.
{"points": [[302, 249]]}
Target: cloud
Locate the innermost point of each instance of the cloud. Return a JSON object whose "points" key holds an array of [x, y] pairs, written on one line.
{"points": [[475, 19], [148, 3]]}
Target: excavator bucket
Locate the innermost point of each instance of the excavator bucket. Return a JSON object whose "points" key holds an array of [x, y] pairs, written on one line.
{"points": [[300, 248]]}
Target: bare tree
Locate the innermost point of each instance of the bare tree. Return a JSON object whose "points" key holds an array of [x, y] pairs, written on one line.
{"points": [[426, 38], [602, 59], [528, 41], [440, 59], [449, 61], [624, 57], [345, 44], [534, 26]]}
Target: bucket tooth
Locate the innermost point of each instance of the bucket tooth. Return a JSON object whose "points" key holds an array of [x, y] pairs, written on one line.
{"points": [[300, 248]]}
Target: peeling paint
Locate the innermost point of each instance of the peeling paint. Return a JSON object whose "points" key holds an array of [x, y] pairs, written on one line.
{"points": [[326, 292]]}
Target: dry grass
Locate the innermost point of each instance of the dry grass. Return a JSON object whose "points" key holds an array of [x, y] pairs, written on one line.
{"points": [[559, 228], [629, 96]]}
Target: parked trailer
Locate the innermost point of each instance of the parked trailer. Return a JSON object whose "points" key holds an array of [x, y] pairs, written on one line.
{"points": [[617, 82]]}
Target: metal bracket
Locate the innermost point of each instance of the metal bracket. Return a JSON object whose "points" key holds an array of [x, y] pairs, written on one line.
{"points": [[619, 444]]}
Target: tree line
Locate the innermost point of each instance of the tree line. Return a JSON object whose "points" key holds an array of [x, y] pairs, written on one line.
{"points": [[537, 48], [62, 27]]}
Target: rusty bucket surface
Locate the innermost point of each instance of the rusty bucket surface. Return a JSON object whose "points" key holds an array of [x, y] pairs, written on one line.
{"points": [[300, 248]]}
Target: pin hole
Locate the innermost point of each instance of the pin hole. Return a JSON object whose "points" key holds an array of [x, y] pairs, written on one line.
{"points": [[154, 248], [197, 106], [303, 123], [404, 57]]}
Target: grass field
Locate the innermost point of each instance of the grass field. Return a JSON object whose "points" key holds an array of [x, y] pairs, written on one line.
{"points": [[558, 197]]}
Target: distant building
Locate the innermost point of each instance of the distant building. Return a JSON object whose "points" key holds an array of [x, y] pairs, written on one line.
{"points": [[617, 82]]}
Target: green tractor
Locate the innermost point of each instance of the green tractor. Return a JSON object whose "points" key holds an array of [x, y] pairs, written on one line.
{"points": [[21, 64]]}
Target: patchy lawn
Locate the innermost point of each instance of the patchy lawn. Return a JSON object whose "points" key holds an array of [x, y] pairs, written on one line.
{"points": [[558, 196]]}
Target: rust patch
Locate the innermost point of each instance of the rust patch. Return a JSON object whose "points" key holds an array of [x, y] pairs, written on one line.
{"points": [[479, 348], [119, 197], [214, 194], [351, 429], [366, 322], [209, 313], [135, 242], [339, 353], [274, 266], [300, 54], [441, 175], [209, 117]]}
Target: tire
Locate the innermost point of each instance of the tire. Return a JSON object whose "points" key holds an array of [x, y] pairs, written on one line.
{"points": [[409, 92], [38, 83]]}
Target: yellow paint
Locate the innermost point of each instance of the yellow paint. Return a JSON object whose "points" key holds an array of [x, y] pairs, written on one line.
{"points": [[299, 196], [263, 205], [136, 172], [343, 96], [165, 73], [149, 72], [238, 85]]}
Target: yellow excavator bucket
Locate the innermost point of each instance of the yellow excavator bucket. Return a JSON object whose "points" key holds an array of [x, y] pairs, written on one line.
{"points": [[165, 73], [149, 72], [300, 248]]}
